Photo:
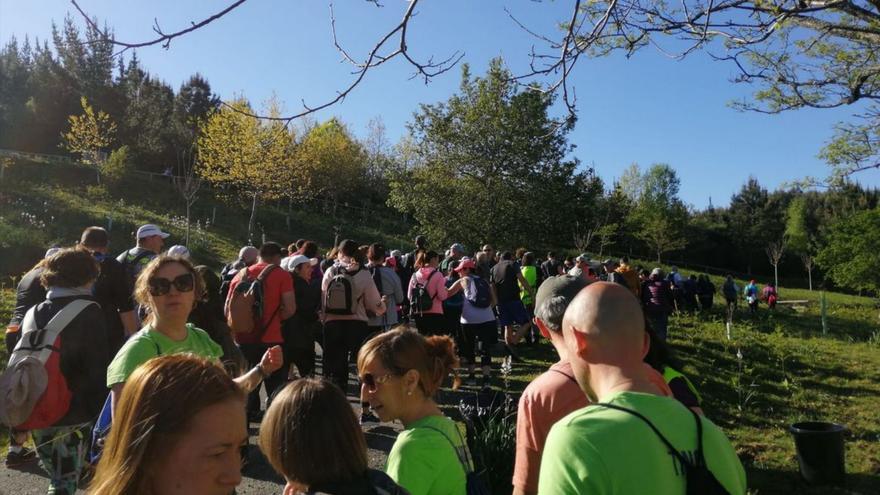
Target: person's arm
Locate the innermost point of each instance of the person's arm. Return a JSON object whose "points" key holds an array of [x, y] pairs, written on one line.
{"points": [[288, 305], [439, 283], [455, 288], [398, 288], [271, 362], [525, 284]]}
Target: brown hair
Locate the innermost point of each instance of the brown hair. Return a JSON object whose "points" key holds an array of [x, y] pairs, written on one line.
{"points": [[311, 436], [376, 253], [423, 258], [151, 416], [70, 267], [401, 349], [142, 285]]}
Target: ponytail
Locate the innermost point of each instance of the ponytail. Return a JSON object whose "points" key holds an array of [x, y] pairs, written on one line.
{"points": [[441, 354]]}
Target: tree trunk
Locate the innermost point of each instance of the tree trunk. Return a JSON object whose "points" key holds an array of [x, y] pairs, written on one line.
{"points": [[810, 277], [186, 238], [251, 221], [776, 275]]}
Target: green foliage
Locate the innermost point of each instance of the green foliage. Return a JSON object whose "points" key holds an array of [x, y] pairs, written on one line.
{"points": [[329, 163], [852, 255], [117, 165], [490, 165]]}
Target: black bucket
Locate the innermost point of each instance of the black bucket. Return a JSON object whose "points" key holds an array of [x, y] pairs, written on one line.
{"points": [[820, 451]]}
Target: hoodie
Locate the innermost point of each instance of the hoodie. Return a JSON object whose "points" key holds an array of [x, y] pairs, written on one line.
{"points": [[436, 287]]}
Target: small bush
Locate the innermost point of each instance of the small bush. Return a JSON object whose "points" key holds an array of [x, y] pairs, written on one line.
{"points": [[117, 166]]}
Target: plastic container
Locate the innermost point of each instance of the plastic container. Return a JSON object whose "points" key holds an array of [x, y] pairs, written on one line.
{"points": [[820, 451]]}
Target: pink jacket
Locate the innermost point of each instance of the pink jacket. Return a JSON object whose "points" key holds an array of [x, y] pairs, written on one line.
{"points": [[436, 287]]}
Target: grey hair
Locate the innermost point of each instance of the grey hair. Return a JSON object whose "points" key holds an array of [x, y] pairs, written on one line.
{"points": [[551, 312]]}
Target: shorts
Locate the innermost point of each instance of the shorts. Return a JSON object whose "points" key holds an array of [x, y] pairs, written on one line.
{"points": [[512, 313]]}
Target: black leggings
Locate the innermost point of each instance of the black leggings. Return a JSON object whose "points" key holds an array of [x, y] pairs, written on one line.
{"points": [[431, 324], [484, 333], [342, 337]]}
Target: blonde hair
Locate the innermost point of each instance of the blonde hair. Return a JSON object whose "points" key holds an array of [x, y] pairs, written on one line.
{"points": [[311, 436], [402, 349], [150, 417]]}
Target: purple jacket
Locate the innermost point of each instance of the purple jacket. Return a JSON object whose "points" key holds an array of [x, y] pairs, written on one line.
{"points": [[656, 297]]}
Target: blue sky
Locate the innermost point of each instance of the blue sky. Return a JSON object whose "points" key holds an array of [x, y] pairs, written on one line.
{"points": [[645, 109]]}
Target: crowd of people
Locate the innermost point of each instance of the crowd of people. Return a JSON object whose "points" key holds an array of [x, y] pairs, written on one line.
{"points": [[159, 368]]}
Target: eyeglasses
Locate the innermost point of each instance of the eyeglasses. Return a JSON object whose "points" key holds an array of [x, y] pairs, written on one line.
{"points": [[159, 286], [372, 382]]}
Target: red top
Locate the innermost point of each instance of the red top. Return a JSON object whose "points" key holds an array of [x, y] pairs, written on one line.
{"points": [[278, 282]]}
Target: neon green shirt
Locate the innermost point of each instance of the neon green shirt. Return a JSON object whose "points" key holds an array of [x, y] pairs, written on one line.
{"points": [[530, 273], [148, 343], [423, 461], [597, 450]]}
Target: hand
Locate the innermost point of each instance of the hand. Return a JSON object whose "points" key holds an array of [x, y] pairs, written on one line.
{"points": [[272, 360]]}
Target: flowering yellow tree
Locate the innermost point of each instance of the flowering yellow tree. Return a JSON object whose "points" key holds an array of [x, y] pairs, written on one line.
{"points": [[89, 134], [246, 156]]}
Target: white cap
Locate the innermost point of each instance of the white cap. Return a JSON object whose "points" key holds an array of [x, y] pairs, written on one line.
{"points": [[178, 250], [299, 259], [150, 230]]}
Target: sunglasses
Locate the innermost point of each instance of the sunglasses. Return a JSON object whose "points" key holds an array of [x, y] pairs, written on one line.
{"points": [[160, 286], [372, 382]]}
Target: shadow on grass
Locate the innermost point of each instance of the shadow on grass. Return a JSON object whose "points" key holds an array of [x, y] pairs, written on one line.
{"points": [[763, 481]]}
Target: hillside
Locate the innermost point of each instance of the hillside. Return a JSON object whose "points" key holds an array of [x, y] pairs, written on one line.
{"points": [[42, 204]]}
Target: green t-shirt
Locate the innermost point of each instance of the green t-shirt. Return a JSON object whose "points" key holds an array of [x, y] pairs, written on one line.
{"points": [[598, 450], [423, 461], [148, 343]]}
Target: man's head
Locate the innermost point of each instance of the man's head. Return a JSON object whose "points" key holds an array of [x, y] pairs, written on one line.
{"points": [[489, 250], [582, 261], [506, 256], [421, 242], [248, 255], [456, 251], [610, 265], [151, 238], [604, 331], [271, 253], [624, 260], [551, 301], [95, 239], [551, 255]]}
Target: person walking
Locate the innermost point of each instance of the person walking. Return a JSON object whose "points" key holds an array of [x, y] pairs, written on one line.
{"points": [[427, 291], [657, 301], [478, 323], [751, 292]]}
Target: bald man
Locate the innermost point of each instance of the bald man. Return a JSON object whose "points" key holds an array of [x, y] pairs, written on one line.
{"points": [[607, 449]]}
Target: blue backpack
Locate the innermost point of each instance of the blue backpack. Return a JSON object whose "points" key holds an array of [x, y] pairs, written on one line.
{"points": [[482, 296]]}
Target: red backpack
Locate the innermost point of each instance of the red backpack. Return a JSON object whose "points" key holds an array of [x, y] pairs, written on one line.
{"points": [[33, 391]]}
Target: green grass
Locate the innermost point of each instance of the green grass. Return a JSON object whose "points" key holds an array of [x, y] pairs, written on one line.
{"points": [[789, 372], [43, 204]]}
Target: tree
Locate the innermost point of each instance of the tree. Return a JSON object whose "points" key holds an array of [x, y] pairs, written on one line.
{"points": [[852, 253], [798, 236], [491, 165], [753, 222], [775, 251], [658, 214], [245, 156], [187, 183], [89, 134], [330, 163]]}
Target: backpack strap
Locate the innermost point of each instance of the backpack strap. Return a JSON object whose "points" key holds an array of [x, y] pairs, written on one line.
{"points": [[264, 273], [35, 339], [698, 457], [465, 460]]}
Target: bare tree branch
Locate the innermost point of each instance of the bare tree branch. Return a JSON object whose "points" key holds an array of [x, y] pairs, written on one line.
{"points": [[164, 38]]}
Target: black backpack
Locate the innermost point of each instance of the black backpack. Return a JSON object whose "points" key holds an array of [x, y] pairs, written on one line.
{"points": [[420, 299], [376, 272], [132, 266], [338, 298], [482, 293], [698, 479]]}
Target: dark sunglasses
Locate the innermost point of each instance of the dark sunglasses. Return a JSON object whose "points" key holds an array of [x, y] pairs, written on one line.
{"points": [[372, 382], [160, 286]]}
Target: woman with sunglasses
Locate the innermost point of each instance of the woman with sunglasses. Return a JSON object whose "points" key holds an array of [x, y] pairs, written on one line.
{"points": [[168, 286], [400, 372]]}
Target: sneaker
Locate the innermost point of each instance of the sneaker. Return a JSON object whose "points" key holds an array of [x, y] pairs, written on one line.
{"points": [[368, 417], [24, 456]]}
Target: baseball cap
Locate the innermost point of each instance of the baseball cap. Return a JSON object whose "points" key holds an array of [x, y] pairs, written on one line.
{"points": [[248, 254], [149, 230], [178, 250], [465, 263], [657, 272], [565, 286], [299, 259], [456, 248]]}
